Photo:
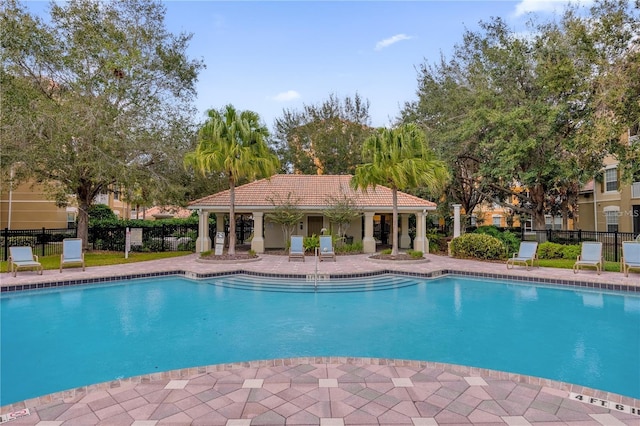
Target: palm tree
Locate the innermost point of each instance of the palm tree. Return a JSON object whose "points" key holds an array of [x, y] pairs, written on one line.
{"points": [[233, 143], [399, 159]]}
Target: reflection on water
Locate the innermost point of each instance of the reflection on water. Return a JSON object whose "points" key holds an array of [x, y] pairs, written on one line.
{"points": [[590, 299], [631, 304]]}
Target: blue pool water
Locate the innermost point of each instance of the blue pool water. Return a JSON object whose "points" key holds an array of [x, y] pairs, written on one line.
{"points": [[60, 339]]}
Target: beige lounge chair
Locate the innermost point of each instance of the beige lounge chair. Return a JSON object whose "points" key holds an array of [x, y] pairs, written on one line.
{"points": [[326, 248], [72, 252], [296, 250], [23, 257], [527, 254], [630, 257], [591, 256]]}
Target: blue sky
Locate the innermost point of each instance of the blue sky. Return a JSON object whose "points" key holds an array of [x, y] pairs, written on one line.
{"points": [[267, 56]]}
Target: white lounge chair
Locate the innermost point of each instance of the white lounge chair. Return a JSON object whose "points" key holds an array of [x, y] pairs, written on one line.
{"points": [[296, 250], [23, 257], [630, 257], [72, 252], [591, 256], [326, 248], [527, 254]]}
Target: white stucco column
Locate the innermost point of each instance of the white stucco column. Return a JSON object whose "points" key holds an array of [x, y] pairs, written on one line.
{"points": [[405, 239], [368, 242], [219, 222], [203, 242], [456, 220], [421, 243], [257, 242]]}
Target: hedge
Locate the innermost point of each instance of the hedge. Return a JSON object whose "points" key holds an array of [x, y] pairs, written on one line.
{"points": [[479, 246]]}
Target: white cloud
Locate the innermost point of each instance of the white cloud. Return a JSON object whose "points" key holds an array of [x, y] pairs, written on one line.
{"points": [[289, 95], [391, 40], [549, 6]]}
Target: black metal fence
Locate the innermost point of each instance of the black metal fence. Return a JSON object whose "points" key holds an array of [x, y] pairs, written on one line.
{"points": [[152, 239], [611, 241], [47, 242]]}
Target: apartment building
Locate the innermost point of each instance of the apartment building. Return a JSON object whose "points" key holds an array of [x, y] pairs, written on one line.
{"points": [[27, 206], [608, 204]]}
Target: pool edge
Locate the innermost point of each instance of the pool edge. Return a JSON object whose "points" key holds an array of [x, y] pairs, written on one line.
{"points": [[596, 285], [74, 395]]}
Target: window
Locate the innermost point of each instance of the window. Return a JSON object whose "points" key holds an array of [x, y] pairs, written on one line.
{"points": [[611, 215], [71, 217], [497, 220], [635, 190], [553, 222], [474, 220], [101, 198], [611, 180]]}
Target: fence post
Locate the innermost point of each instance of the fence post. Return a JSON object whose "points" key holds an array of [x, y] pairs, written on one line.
{"points": [[163, 230], [579, 235], [615, 245], [6, 244], [43, 242]]}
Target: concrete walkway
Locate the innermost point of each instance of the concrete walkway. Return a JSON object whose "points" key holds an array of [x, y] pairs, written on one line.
{"points": [[327, 391]]}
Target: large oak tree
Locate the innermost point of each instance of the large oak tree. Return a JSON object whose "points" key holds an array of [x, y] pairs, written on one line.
{"points": [[98, 94], [532, 117], [325, 138]]}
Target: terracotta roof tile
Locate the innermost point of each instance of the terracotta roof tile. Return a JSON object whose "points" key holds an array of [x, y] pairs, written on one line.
{"points": [[312, 190]]}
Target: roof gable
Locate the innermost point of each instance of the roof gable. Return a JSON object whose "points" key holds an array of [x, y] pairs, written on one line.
{"points": [[312, 191]]}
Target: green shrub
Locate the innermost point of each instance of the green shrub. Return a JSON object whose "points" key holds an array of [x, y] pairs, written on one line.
{"points": [[311, 243], [100, 212], [386, 251], [437, 242], [479, 246], [508, 238], [188, 246], [349, 248], [416, 254], [571, 251], [549, 250]]}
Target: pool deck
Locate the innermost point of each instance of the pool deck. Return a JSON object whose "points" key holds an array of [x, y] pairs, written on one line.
{"points": [[328, 391]]}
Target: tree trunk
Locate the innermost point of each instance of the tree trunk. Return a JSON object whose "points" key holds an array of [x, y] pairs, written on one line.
{"points": [[232, 217], [394, 227], [83, 223], [537, 199]]}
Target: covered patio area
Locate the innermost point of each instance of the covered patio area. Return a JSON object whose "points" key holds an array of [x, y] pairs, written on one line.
{"points": [[313, 194]]}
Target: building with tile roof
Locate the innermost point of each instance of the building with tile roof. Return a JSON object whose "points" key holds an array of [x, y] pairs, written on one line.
{"points": [[312, 192]]}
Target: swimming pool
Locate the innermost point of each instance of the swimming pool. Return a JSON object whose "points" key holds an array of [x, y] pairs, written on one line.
{"points": [[60, 339]]}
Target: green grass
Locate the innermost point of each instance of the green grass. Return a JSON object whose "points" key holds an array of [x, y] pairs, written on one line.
{"points": [[568, 264], [103, 259], [116, 258]]}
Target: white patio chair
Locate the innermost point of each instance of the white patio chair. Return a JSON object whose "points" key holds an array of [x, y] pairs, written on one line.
{"points": [[527, 254], [296, 250], [72, 252], [630, 257], [23, 257], [326, 248], [590, 256]]}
